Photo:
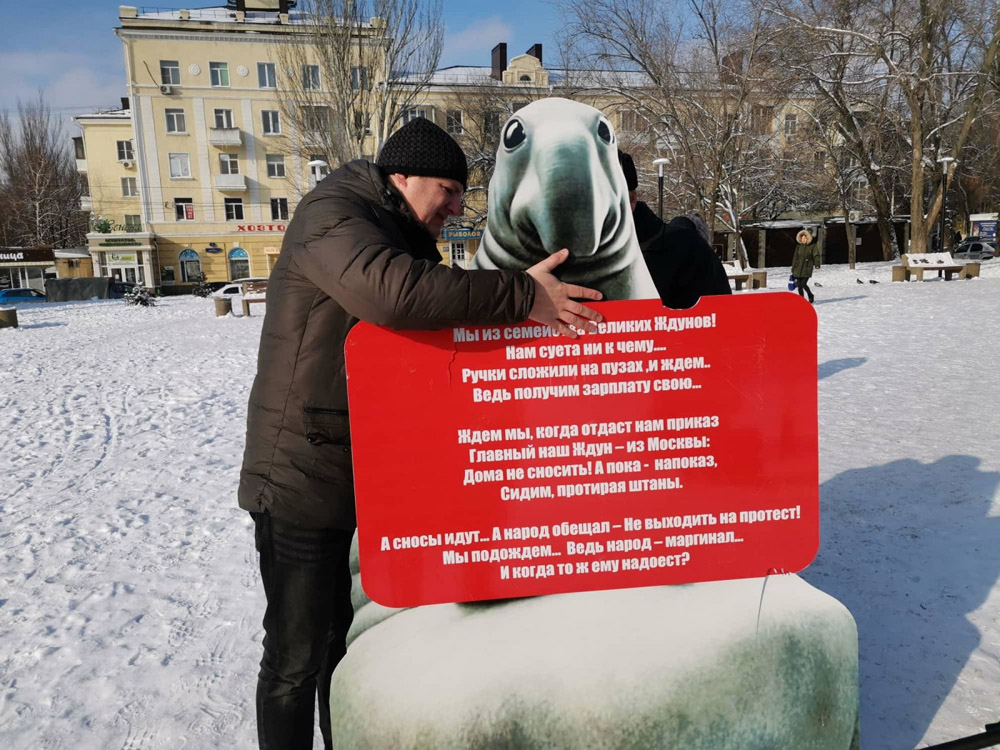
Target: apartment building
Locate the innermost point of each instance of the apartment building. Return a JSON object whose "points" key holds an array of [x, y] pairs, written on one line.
{"points": [[198, 173]]}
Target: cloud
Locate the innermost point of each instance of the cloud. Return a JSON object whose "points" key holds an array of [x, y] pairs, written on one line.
{"points": [[472, 44], [71, 83]]}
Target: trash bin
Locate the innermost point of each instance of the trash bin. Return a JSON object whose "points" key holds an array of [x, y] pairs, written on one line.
{"points": [[8, 317], [223, 306]]}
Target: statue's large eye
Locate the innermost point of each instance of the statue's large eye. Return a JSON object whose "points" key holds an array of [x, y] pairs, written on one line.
{"points": [[604, 130], [513, 134]]}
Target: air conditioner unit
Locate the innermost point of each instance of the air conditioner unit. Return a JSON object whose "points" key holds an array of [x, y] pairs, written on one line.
{"points": [[854, 216], [127, 164], [167, 90]]}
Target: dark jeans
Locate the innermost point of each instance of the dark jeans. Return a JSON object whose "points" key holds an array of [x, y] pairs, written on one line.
{"points": [[307, 582], [802, 284]]}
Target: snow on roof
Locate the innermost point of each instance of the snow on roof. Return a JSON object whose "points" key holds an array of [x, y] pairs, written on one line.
{"points": [[116, 114], [223, 14], [479, 75]]}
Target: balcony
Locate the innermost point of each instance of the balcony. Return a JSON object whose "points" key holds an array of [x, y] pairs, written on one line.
{"points": [[86, 203], [225, 136], [230, 182], [81, 165]]}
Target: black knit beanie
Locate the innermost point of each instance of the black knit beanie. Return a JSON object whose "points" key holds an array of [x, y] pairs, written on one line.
{"points": [[628, 167], [422, 148]]}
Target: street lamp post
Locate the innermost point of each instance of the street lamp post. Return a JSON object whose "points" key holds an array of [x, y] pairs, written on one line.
{"points": [[945, 161], [659, 164]]}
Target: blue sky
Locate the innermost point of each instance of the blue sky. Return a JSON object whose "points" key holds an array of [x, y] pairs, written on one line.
{"points": [[69, 48]]}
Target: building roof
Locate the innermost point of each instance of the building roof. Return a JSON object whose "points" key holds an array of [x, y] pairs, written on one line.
{"points": [[480, 75]]}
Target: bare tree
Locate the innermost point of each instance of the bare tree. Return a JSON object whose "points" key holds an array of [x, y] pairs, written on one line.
{"points": [[909, 72], [703, 97], [39, 186], [357, 66]]}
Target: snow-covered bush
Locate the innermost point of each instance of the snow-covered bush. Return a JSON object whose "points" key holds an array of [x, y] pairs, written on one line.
{"points": [[138, 295], [202, 288]]}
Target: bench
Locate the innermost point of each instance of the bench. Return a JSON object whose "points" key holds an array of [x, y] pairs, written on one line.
{"points": [[253, 292], [915, 264], [754, 278]]}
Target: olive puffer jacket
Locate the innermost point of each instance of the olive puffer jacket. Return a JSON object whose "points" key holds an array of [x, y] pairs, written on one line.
{"points": [[804, 259], [352, 252]]}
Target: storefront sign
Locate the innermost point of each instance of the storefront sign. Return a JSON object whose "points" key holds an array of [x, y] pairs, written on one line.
{"points": [[461, 234], [260, 227], [669, 447], [27, 255], [119, 242], [121, 259], [985, 229]]}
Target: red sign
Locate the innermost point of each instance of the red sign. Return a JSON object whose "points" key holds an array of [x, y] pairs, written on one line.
{"points": [[189, 211], [260, 227], [669, 447]]}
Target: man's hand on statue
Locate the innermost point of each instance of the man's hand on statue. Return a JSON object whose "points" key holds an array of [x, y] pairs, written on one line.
{"points": [[555, 302]]}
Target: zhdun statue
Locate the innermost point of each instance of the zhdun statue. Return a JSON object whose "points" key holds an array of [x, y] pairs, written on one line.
{"points": [[557, 184]]}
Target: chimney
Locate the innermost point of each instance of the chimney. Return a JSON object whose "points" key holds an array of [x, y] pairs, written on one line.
{"points": [[125, 104], [499, 61], [535, 51]]}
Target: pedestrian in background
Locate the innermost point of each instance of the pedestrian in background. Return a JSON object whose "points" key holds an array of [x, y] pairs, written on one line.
{"points": [[805, 259]]}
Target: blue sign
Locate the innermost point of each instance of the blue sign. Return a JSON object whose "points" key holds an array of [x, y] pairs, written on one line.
{"points": [[987, 230], [213, 248], [460, 233]]}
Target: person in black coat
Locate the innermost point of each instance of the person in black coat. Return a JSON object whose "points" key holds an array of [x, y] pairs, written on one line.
{"points": [[678, 253]]}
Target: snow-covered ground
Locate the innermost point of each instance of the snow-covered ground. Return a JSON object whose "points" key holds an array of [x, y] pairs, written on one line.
{"points": [[130, 602]]}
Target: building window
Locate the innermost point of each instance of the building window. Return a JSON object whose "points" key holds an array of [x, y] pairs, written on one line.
{"points": [[125, 151], [315, 119], [223, 118], [84, 183], [78, 147], [170, 73], [458, 254], [234, 209], [632, 121], [310, 77], [129, 187], [412, 113], [183, 209], [271, 122], [180, 166], [133, 223], [761, 119], [359, 78], [190, 266], [239, 264], [175, 121], [266, 77], [229, 164], [279, 208], [453, 121], [859, 190], [275, 165], [219, 72], [362, 123], [791, 124], [491, 124]]}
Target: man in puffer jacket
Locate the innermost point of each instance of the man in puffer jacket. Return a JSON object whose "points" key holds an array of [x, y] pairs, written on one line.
{"points": [[361, 246]]}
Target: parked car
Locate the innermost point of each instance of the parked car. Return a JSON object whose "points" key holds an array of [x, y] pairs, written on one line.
{"points": [[118, 288], [235, 288], [974, 249], [12, 296]]}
